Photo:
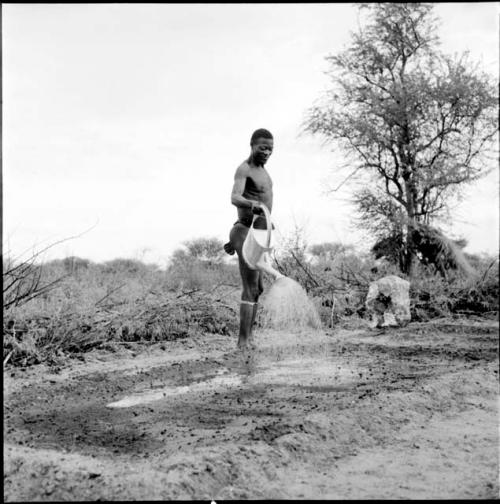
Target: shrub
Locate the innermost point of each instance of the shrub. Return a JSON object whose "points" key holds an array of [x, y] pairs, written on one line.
{"points": [[338, 278], [32, 339], [117, 301]]}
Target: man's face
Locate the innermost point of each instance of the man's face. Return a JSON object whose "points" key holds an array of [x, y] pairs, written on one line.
{"points": [[262, 149]]}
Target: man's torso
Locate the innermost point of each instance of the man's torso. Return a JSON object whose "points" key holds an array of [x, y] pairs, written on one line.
{"points": [[259, 187]]}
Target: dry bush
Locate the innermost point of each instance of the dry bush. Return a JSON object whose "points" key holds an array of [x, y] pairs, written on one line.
{"points": [[98, 305], [201, 264], [117, 301], [31, 340], [432, 296], [24, 281], [202, 275], [337, 279]]}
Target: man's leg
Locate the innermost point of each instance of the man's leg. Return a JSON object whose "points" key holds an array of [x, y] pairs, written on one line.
{"points": [[248, 306], [246, 318], [248, 277], [252, 286], [260, 290]]}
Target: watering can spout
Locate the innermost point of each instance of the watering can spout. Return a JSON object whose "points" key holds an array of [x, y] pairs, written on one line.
{"points": [[264, 265]]}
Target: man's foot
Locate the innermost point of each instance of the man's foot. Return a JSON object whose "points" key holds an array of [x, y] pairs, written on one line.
{"points": [[229, 249], [246, 345]]}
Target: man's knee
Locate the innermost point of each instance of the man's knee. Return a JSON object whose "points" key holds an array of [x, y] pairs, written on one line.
{"points": [[251, 293]]}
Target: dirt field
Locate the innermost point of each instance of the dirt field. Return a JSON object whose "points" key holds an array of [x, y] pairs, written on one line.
{"points": [[411, 413]]}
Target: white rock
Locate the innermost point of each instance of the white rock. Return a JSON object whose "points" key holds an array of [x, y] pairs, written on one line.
{"points": [[388, 302]]}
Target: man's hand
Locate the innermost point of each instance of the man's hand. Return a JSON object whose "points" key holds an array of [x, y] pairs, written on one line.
{"points": [[256, 208]]}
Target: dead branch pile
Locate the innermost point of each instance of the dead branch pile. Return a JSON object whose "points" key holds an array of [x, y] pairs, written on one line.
{"points": [[40, 339]]}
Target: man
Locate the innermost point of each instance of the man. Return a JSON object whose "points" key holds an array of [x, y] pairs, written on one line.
{"points": [[252, 186]]}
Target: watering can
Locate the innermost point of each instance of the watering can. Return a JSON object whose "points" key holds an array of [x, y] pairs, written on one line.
{"points": [[257, 245]]}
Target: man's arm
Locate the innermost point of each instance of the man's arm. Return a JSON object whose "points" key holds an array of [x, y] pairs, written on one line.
{"points": [[237, 198]]}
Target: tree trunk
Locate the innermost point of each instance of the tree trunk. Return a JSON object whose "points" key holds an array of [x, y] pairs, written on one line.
{"points": [[411, 224], [410, 252]]}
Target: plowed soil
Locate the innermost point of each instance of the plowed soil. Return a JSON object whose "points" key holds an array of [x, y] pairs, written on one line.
{"points": [[409, 413]]}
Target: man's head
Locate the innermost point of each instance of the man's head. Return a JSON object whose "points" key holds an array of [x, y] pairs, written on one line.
{"points": [[262, 144]]}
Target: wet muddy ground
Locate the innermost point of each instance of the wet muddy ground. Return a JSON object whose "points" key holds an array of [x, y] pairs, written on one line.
{"points": [[346, 414]]}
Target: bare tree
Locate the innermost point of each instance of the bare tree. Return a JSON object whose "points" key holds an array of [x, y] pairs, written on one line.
{"points": [[23, 278], [22, 281]]}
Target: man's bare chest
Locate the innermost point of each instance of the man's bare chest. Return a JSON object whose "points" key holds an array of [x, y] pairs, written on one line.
{"points": [[259, 181]]}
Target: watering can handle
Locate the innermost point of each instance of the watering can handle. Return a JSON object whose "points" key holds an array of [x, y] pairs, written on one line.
{"points": [[267, 215]]}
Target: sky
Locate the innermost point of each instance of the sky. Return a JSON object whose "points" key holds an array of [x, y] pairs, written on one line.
{"points": [[123, 124]]}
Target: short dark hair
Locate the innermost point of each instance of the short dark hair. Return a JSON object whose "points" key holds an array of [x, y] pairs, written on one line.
{"points": [[260, 133]]}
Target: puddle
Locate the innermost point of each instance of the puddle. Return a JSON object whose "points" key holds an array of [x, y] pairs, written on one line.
{"points": [[305, 372], [317, 373], [156, 395]]}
